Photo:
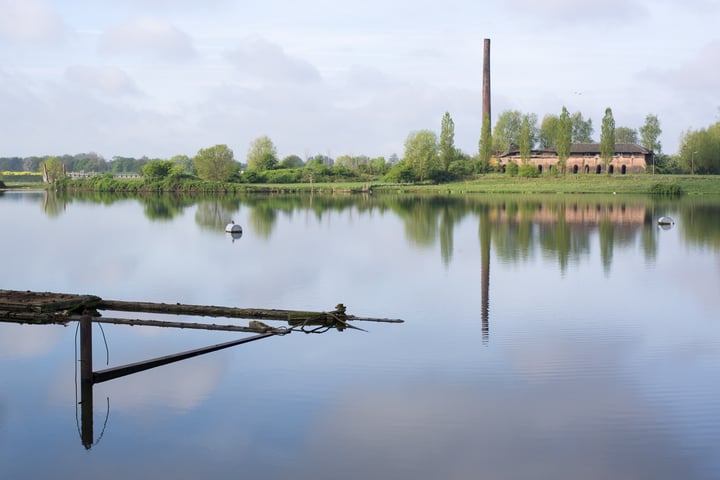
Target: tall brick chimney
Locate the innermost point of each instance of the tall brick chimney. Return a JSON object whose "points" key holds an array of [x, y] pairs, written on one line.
{"points": [[486, 80]]}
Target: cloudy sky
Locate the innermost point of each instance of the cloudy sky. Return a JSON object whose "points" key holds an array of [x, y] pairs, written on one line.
{"points": [[164, 77]]}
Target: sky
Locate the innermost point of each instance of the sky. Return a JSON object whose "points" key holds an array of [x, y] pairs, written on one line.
{"points": [[158, 78]]}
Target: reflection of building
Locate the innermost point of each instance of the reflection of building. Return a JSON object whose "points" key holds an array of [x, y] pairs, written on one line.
{"points": [[585, 158], [588, 214]]}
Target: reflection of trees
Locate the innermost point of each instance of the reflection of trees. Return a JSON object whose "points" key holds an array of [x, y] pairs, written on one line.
{"points": [[263, 221], [53, 204], [214, 213], [700, 223]]}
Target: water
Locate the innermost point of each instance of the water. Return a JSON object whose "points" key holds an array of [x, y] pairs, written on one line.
{"points": [[545, 337]]}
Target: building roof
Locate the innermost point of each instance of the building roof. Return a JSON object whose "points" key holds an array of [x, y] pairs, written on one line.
{"points": [[587, 149]]}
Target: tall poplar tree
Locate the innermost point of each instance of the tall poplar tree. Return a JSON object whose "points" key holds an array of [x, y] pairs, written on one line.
{"points": [[607, 138], [447, 141], [564, 138], [525, 140], [650, 132]]}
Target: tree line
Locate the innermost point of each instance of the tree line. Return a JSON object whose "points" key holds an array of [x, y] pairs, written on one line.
{"points": [[427, 157]]}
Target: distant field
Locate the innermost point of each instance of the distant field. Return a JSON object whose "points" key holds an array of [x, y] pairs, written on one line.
{"points": [[19, 179]]}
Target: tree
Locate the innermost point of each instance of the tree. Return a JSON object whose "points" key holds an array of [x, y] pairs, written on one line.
{"points": [[626, 135], [216, 163], [607, 138], [486, 145], [158, 169], [649, 134], [700, 150], [582, 129], [291, 161], [421, 152], [184, 164], [378, 166], [564, 138], [525, 140], [507, 131], [262, 154], [52, 169], [547, 137], [447, 141]]}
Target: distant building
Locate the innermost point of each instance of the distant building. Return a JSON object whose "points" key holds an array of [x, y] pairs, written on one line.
{"points": [[585, 158]]}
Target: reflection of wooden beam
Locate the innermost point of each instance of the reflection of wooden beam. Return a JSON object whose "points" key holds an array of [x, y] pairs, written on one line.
{"points": [[117, 372]]}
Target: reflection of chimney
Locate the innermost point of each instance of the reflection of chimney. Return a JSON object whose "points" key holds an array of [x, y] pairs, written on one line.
{"points": [[486, 80]]}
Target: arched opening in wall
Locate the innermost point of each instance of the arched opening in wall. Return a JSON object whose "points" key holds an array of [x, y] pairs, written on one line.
{"points": [[623, 170], [598, 169], [611, 170], [540, 168], [575, 168], [587, 168]]}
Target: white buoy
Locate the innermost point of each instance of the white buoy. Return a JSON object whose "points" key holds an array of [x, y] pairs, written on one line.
{"points": [[666, 221], [233, 227]]}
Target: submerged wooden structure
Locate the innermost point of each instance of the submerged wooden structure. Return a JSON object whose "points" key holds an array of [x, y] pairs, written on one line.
{"points": [[44, 308]]}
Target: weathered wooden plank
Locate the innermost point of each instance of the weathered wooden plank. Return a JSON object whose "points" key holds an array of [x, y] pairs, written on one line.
{"points": [[44, 302]]}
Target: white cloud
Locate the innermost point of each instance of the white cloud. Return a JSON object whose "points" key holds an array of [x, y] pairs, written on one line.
{"points": [[156, 38], [105, 80], [30, 22], [260, 59]]}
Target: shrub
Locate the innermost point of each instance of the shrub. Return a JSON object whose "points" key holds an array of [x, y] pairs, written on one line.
{"points": [[528, 171], [672, 189], [512, 169]]}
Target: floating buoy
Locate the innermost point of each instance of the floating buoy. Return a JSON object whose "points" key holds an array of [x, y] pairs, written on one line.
{"points": [[666, 221], [233, 227]]}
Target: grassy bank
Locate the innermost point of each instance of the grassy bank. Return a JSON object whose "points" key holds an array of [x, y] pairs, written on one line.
{"points": [[491, 183], [626, 184]]}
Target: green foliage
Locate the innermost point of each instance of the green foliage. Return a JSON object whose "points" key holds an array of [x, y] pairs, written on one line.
{"points": [[184, 164], [547, 136], [512, 169], [607, 138], [564, 137], [525, 140], [421, 152], [700, 150], [158, 169], [582, 129], [285, 175], [672, 189], [216, 163], [291, 161], [528, 171], [650, 132], [626, 135], [262, 154], [507, 131], [401, 172], [447, 141], [52, 169]]}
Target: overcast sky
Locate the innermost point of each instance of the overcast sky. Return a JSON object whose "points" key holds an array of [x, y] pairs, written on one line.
{"points": [[166, 77]]}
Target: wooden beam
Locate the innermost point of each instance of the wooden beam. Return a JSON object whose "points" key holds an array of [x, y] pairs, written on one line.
{"points": [[253, 328], [117, 372]]}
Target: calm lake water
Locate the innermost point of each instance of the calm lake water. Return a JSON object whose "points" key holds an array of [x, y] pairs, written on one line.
{"points": [[553, 337]]}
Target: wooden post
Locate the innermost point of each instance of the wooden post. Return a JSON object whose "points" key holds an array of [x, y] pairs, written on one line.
{"points": [[86, 381]]}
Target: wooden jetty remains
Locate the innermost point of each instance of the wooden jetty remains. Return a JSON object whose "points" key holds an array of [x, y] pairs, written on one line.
{"points": [[44, 308]]}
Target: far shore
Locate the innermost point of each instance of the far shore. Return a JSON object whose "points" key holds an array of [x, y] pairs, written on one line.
{"points": [[490, 183]]}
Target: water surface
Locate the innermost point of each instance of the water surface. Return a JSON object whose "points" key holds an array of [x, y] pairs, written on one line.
{"points": [[546, 337]]}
